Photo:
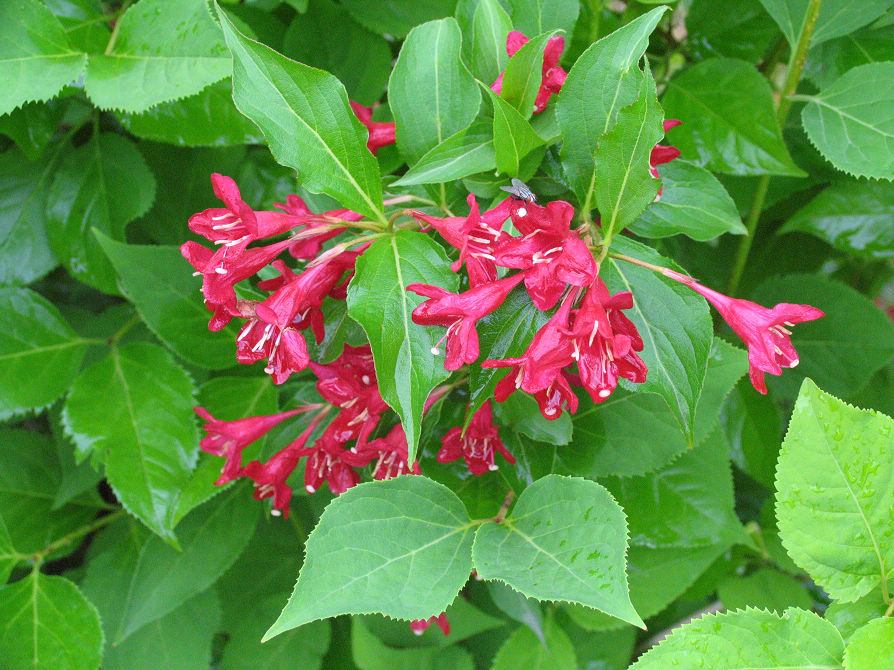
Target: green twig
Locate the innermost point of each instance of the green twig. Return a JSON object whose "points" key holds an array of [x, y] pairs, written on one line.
{"points": [[74, 535]]}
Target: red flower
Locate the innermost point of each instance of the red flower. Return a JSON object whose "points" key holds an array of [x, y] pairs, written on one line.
{"points": [[380, 133], [421, 625], [459, 312], [229, 438], [540, 370], [309, 242], [284, 348], [327, 463], [606, 342], [552, 76], [389, 452], [765, 331], [551, 252], [477, 446], [662, 154]]}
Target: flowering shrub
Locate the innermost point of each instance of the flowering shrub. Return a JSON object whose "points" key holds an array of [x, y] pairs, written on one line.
{"points": [[412, 302]]}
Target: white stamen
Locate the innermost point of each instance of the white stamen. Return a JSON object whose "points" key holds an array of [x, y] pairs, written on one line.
{"points": [[604, 393], [521, 211], [196, 273], [220, 270], [275, 512], [269, 370], [549, 411], [365, 379], [794, 363], [493, 466], [417, 632], [593, 333], [309, 488], [435, 351], [221, 217]]}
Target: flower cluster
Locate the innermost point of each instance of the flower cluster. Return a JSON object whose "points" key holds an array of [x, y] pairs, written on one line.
{"points": [[552, 76]]}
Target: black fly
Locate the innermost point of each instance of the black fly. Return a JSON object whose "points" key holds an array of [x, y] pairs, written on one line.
{"points": [[520, 191]]}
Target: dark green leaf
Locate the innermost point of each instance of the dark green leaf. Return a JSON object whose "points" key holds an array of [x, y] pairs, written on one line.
{"points": [[515, 605], [376, 549], [103, 184], [39, 352], [565, 539], [431, 93], [484, 43], [46, 622], [849, 124], [836, 17], [370, 653], [533, 17], [162, 52], [520, 412], [160, 285], [745, 33], [729, 124], [32, 126], [133, 409], [523, 76], [692, 203], [752, 428], [765, 589], [359, 58], [397, 17], [514, 138], [9, 557], [828, 61], [464, 153], [523, 649], [603, 80], [305, 117], [378, 300], [341, 330], [36, 57]]}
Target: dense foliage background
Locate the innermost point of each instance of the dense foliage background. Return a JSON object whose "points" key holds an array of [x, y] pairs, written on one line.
{"points": [[689, 495]]}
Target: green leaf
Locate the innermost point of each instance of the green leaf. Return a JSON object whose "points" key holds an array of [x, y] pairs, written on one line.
{"points": [[752, 428], [32, 126], [162, 52], [603, 80], [371, 653], [833, 481], [611, 650], [796, 640], [520, 411], [134, 410], [211, 538], [514, 138], [872, 646], [103, 184], [828, 61], [208, 118], [24, 252], [726, 365], [504, 333], [378, 300], [9, 557], [302, 648], [765, 589], [566, 539], [687, 503], [524, 74], [304, 114], [400, 547], [397, 17], [523, 649], [518, 607], [852, 216], [83, 21], [36, 57], [836, 17], [746, 33], [29, 477], [181, 639], [464, 153], [533, 17], [729, 124], [625, 186], [161, 286], [851, 617], [675, 326], [359, 58], [484, 45], [39, 352], [692, 203], [837, 356], [431, 93], [847, 121], [340, 330], [46, 622]]}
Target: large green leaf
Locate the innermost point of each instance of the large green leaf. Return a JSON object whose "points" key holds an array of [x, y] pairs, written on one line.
{"points": [[36, 57], [29, 477], [565, 539], [687, 503], [523, 649], [400, 547], [305, 116], [828, 61], [625, 186], [484, 42], [837, 356], [675, 326], [397, 17], [836, 17], [524, 74], [161, 286], [208, 118], [46, 622], [853, 216], [359, 58], [39, 352], [84, 22], [162, 52], [533, 17], [133, 409], [692, 203], [796, 640], [514, 138], [464, 153], [872, 646], [378, 300], [103, 184], [603, 80], [729, 124], [851, 617], [848, 121], [833, 480], [431, 93]]}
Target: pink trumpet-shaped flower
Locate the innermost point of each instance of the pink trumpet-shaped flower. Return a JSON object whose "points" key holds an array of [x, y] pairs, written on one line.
{"points": [[477, 446]]}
